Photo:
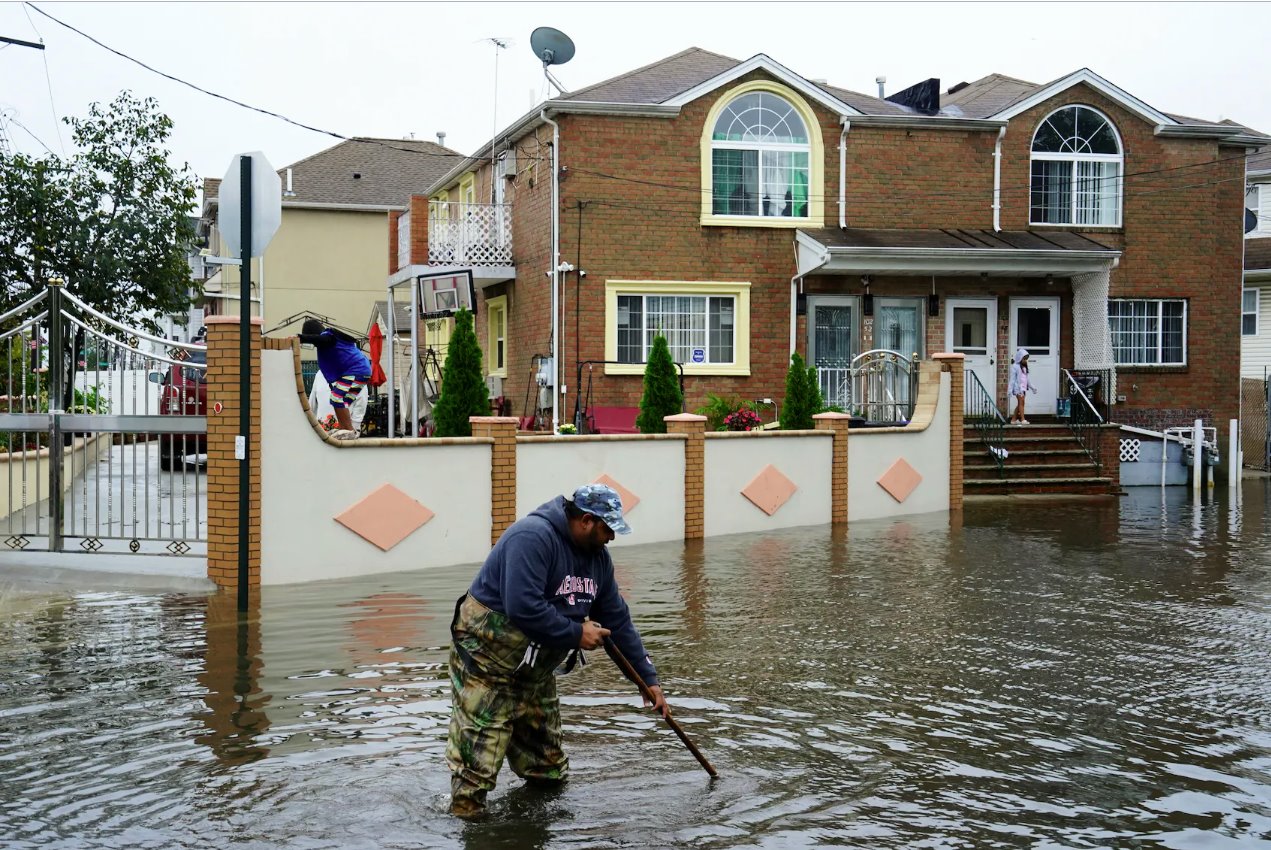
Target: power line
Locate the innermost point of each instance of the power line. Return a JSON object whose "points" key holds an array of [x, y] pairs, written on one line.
{"points": [[239, 103], [48, 80], [13, 120]]}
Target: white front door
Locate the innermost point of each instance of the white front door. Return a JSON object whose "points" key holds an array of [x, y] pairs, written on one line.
{"points": [[1035, 327], [970, 329]]}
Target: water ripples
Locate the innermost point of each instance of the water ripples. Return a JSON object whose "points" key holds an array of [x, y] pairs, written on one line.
{"points": [[1075, 675]]}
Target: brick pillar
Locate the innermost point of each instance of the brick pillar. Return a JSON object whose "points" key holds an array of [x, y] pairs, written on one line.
{"points": [[393, 217], [1110, 452], [501, 429], [836, 423], [419, 229], [955, 365], [694, 427], [222, 466]]}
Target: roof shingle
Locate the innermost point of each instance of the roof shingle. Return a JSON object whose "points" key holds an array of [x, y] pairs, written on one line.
{"points": [[361, 171]]}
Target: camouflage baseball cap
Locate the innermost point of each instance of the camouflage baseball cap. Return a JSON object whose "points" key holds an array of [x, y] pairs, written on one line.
{"points": [[604, 502]]}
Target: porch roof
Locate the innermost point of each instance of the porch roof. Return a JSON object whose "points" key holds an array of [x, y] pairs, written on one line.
{"points": [[855, 250]]}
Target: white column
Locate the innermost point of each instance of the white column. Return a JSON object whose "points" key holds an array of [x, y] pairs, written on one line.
{"points": [[1233, 455], [1198, 449]]}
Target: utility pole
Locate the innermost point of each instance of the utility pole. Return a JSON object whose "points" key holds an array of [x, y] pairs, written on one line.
{"points": [[20, 43]]}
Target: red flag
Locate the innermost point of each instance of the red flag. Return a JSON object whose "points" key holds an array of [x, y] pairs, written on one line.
{"points": [[377, 350]]}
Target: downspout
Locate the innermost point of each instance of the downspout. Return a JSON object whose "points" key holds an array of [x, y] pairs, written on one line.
{"points": [[794, 313], [997, 181], [847, 126], [555, 261]]}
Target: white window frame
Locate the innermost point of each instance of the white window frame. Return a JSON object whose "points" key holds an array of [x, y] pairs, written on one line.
{"points": [[815, 150], [1160, 333], [496, 310], [1257, 306], [403, 240], [1076, 158], [1261, 207], [738, 291]]}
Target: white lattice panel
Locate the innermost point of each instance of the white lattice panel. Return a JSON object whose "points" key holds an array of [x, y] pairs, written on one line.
{"points": [[1130, 450], [470, 235]]}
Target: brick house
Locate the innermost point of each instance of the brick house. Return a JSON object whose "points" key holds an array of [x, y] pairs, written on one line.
{"points": [[1255, 310], [747, 211]]}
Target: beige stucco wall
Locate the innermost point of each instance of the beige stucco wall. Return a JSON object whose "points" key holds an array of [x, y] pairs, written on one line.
{"points": [[651, 468], [871, 452], [305, 483], [24, 476], [732, 462], [330, 262]]}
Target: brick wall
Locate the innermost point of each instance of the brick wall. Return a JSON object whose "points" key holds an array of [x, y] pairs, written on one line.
{"points": [[639, 182]]}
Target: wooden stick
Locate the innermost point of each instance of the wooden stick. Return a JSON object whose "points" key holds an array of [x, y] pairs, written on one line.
{"points": [[625, 666]]}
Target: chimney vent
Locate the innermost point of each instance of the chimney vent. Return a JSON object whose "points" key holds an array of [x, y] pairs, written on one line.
{"points": [[882, 81], [441, 138]]}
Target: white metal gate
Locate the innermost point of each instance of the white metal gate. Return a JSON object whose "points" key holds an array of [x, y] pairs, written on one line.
{"points": [[102, 441]]}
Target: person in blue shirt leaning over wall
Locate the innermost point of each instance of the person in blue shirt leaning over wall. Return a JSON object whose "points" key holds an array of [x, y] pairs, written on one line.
{"points": [[545, 593], [344, 366]]}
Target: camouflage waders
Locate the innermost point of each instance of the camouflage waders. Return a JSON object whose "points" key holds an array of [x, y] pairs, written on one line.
{"points": [[503, 703]]}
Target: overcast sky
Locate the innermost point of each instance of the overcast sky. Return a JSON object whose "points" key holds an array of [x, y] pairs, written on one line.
{"points": [[392, 69]]}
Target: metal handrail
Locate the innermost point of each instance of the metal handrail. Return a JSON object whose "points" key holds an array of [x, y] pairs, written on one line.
{"points": [[140, 334], [25, 305], [876, 377], [1084, 421], [186, 364], [988, 421]]}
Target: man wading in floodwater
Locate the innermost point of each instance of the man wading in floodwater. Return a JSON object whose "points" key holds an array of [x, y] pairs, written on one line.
{"points": [[543, 594]]}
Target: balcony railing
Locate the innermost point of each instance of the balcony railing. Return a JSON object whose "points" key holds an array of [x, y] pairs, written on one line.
{"points": [[470, 235]]}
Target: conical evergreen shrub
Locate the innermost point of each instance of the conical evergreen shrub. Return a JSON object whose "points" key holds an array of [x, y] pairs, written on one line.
{"points": [[662, 396], [463, 389], [797, 409]]}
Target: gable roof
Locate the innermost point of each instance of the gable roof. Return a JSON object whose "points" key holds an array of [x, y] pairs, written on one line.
{"points": [[388, 172], [1094, 81], [658, 81], [986, 96]]}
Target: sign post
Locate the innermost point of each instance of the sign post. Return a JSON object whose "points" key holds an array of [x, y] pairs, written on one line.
{"points": [[250, 212]]}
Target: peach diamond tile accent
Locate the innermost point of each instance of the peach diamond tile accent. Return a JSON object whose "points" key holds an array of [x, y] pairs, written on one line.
{"points": [[386, 517], [629, 499], [899, 480], [769, 490]]}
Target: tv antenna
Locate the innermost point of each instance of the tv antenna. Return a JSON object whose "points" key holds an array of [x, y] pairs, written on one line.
{"points": [[552, 47]]}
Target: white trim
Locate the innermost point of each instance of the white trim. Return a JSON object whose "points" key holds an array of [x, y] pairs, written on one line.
{"points": [[1099, 84], [761, 62]]}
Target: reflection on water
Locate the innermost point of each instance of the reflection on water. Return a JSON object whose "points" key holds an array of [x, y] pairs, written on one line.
{"points": [[1076, 674]]}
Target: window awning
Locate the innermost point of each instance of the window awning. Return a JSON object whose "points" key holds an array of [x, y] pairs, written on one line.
{"points": [[1019, 253]]}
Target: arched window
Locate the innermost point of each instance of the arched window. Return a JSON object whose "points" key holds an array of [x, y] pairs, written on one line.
{"points": [[1077, 163], [760, 158]]}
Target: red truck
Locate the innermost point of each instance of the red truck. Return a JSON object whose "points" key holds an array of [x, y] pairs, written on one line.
{"points": [[183, 393]]}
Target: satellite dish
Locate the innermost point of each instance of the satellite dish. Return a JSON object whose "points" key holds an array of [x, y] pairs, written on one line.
{"points": [[551, 46], [1251, 221]]}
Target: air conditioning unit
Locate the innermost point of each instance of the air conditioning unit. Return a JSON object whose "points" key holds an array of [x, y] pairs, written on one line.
{"points": [[506, 167], [494, 384]]}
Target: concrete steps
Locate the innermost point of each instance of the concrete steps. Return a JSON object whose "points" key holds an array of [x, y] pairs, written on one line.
{"points": [[1042, 457]]}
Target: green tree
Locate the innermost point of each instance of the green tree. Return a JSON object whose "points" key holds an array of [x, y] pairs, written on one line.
{"points": [[463, 389], [803, 396], [112, 221], [662, 396]]}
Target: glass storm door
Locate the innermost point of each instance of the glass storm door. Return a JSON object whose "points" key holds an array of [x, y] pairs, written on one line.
{"points": [[971, 330], [832, 343]]}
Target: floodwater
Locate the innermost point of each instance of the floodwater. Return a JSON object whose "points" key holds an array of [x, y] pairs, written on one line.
{"points": [[1034, 675]]}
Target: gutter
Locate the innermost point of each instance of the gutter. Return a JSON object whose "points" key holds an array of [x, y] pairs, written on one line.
{"points": [[928, 122], [847, 127], [312, 205], [960, 253], [997, 181], [1220, 132]]}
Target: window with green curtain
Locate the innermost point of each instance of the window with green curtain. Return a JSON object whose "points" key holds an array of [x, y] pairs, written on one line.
{"points": [[760, 158]]}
